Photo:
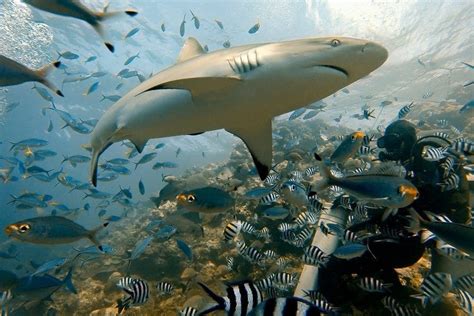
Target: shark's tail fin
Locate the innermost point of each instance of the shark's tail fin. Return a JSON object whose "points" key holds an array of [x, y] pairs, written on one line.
{"points": [[107, 15], [219, 300], [44, 71], [92, 235]]}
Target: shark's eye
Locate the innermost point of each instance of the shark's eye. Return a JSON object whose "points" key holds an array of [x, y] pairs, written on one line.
{"points": [[335, 42], [191, 198], [24, 228]]}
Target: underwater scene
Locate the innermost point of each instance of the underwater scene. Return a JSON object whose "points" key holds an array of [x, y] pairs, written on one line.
{"points": [[241, 157]]}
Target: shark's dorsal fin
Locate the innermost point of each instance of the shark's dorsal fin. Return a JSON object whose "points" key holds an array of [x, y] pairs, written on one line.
{"points": [[258, 138], [191, 49]]}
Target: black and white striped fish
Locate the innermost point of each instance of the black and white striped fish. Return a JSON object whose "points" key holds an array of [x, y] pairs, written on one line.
{"points": [[365, 150], [466, 282], [283, 227], [316, 254], [335, 191], [296, 176], [269, 198], [436, 285], [241, 297], [346, 201], [272, 179], [442, 135], [125, 282], [358, 170], [323, 228], [315, 205], [442, 123], [304, 235], [311, 171], [463, 146], [288, 236], [452, 252], [345, 235], [188, 311], [265, 283], [455, 130], [164, 288], [138, 294], [390, 302], [248, 228], [283, 279], [466, 302], [405, 110], [264, 233], [306, 218], [451, 182], [366, 140], [403, 310], [371, 284], [447, 166], [229, 263], [270, 254], [285, 306], [253, 255], [281, 262], [433, 153], [232, 229]]}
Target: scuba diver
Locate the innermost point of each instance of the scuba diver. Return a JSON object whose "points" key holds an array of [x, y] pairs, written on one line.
{"points": [[390, 245]]}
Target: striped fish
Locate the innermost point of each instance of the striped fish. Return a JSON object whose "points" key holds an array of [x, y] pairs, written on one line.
{"points": [[315, 254], [241, 298], [269, 198], [442, 135], [283, 227], [188, 311], [304, 235], [390, 302], [367, 139], [229, 263], [372, 285], [296, 176], [311, 171], [232, 229], [265, 283], [436, 285], [164, 288], [264, 233], [306, 218], [365, 150], [465, 301], [270, 254], [253, 255], [463, 146], [138, 294], [405, 110], [442, 123], [450, 183], [281, 262], [286, 306], [405, 311], [433, 153], [288, 236], [283, 280], [248, 228], [125, 282], [447, 166], [465, 283], [5, 298], [271, 179], [455, 130]]}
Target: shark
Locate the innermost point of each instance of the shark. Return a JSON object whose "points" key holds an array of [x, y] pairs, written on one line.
{"points": [[239, 89]]}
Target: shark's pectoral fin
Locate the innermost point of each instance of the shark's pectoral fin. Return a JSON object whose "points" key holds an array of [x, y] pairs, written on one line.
{"points": [[258, 138], [200, 87], [139, 144], [191, 49]]}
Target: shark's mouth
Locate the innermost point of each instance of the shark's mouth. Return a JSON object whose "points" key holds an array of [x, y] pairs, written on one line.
{"points": [[336, 68]]}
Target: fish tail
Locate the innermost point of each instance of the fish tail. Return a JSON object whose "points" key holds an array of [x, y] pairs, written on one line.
{"points": [[14, 199], [68, 282], [93, 233], [13, 145], [219, 300], [99, 30], [44, 71], [415, 221], [65, 158], [93, 168], [325, 174]]}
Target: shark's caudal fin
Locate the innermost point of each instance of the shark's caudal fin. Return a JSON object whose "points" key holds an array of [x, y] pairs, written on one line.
{"points": [[219, 300], [258, 139], [44, 71], [325, 174], [92, 234]]}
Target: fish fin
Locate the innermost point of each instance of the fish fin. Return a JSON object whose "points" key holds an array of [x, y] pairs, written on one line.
{"points": [[191, 49], [94, 162], [258, 139], [43, 72], [92, 235], [388, 212], [68, 282], [415, 221], [201, 87], [220, 301], [139, 144], [325, 174]]}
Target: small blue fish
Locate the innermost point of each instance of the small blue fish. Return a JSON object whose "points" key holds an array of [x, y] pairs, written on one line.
{"points": [[185, 249], [254, 28], [92, 58], [140, 247], [166, 232], [50, 265], [182, 27], [131, 59], [68, 55], [50, 126], [297, 113], [43, 93], [141, 187], [132, 32], [92, 88], [350, 251]]}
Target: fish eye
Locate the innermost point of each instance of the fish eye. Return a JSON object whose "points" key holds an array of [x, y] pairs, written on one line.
{"points": [[353, 137], [191, 198], [335, 42], [293, 187], [24, 228]]}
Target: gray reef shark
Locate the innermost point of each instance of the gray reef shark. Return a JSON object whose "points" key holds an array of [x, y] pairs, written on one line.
{"points": [[239, 89]]}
